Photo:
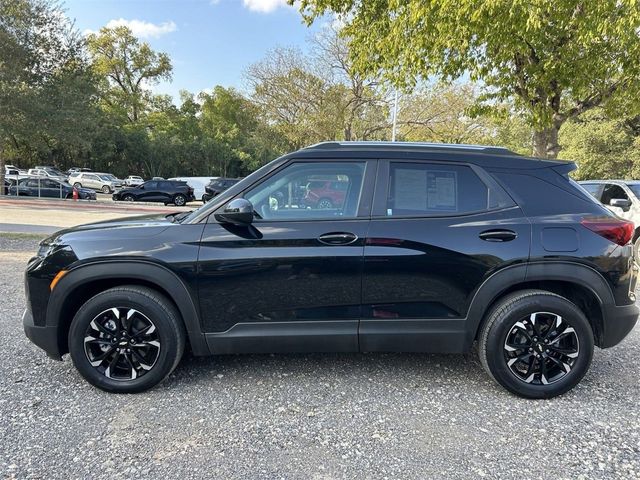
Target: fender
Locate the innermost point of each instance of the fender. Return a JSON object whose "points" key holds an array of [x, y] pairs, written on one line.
{"points": [[506, 278], [147, 271]]}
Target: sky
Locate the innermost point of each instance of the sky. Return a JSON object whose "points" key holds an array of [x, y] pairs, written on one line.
{"points": [[210, 42]]}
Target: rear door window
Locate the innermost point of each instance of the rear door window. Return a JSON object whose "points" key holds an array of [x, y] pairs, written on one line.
{"points": [[432, 189]]}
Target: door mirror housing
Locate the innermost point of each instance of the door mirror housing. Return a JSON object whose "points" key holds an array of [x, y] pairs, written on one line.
{"points": [[620, 202], [237, 212]]}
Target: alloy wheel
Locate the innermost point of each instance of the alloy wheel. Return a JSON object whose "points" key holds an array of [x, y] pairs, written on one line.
{"points": [[541, 349], [122, 343], [324, 204]]}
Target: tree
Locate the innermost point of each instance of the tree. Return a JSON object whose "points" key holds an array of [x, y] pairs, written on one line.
{"points": [[128, 67], [45, 84], [555, 58], [364, 105], [602, 147]]}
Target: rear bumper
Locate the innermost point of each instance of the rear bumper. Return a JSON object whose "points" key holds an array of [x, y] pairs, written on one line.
{"points": [[45, 337], [618, 322]]}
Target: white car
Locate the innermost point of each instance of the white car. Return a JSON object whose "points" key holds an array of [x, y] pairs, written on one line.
{"points": [[622, 197], [133, 181], [47, 172], [104, 182], [197, 183]]}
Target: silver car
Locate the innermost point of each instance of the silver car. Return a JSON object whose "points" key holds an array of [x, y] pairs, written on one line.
{"points": [[104, 182]]}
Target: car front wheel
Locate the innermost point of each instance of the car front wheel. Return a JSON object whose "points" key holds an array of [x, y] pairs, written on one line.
{"points": [[536, 344], [126, 339], [106, 189], [128, 198]]}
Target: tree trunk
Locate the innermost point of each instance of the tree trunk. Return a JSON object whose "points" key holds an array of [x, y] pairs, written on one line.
{"points": [[545, 142]]}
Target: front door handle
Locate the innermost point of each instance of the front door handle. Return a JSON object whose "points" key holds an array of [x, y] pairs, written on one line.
{"points": [[498, 235], [338, 238]]}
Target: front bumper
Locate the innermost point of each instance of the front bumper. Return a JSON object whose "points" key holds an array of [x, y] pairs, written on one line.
{"points": [[618, 322], [45, 337]]}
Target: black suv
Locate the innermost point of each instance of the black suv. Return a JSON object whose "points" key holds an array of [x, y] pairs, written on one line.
{"points": [[165, 191], [434, 247], [216, 186]]}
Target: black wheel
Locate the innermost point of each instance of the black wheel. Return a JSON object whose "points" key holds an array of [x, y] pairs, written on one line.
{"points": [[179, 200], [77, 185], [128, 198], [536, 344], [324, 203], [106, 189], [126, 339]]}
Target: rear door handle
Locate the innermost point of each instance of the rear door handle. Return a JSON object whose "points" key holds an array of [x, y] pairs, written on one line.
{"points": [[338, 238], [498, 235]]}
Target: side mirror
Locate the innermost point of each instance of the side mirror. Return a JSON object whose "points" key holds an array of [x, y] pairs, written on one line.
{"points": [[620, 202], [237, 212]]}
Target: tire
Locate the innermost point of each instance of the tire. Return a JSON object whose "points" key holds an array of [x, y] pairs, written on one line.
{"points": [[128, 373], [77, 185], [324, 203], [106, 189], [530, 371], [128, 198], [179, 200]]}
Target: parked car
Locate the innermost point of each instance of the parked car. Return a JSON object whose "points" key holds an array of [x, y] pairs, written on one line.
{"points": [[165, 191], [622, 197], [47, 172], [433, 248], [325, 193], [216, 186], [197, 183], [133, 181], [49, 188], [78, 169], [104, 182]]}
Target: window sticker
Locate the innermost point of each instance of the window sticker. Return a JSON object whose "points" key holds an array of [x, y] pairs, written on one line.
{"points": [[441, 190], [410, 189]]}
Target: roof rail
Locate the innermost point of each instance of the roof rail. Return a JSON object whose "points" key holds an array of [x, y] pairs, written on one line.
{"points": [[335, 145]]}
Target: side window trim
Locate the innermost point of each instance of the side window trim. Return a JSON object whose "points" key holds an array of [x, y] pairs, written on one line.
{"points": [[379, 210]]}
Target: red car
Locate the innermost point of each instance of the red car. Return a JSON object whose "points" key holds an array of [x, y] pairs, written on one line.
{"points": [[323, 194]]}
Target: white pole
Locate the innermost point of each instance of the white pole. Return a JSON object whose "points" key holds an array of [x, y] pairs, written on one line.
{"points": [[395, 117]]}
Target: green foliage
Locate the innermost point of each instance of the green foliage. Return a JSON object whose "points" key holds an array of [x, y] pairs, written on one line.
{"points": [[126, 67], [555, 58], [603, 148], [46, 85]]}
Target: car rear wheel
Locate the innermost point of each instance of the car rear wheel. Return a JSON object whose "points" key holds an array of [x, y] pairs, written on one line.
{"points": [[126, 339], [179, 200], [106, 189], [536, 344], [128, 198]]}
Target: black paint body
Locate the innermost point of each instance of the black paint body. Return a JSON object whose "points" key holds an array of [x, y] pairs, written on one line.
{"points": [[405, 284]]}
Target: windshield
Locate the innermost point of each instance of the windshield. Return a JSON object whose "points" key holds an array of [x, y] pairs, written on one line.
{"points": [[106, 177], [635, 188]]}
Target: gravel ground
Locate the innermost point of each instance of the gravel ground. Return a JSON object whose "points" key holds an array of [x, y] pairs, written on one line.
{"points": [[307, 416]]}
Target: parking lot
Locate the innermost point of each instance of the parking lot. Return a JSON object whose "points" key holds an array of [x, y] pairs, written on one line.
{"points": [[306, 416]]}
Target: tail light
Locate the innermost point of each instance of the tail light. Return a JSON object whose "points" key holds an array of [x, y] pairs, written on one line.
{"points": [[615, 230]]}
